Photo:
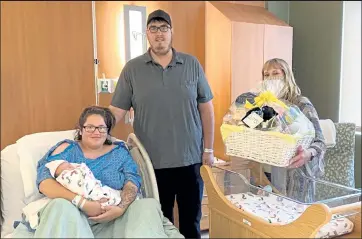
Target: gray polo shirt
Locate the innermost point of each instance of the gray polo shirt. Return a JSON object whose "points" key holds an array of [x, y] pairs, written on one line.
{"points": [[165, 102]]}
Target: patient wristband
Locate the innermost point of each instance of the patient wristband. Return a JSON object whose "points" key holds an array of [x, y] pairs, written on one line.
{"points": [[83, 202], [76, 200], [208, 150]]}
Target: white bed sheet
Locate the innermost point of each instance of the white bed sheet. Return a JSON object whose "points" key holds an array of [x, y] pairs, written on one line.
{"points": [[12, 189]]}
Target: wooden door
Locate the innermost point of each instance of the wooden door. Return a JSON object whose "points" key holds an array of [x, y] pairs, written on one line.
{"points": [[47, 73]]}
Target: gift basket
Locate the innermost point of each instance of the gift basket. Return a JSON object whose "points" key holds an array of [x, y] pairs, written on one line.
{"points": [[263, 128]]}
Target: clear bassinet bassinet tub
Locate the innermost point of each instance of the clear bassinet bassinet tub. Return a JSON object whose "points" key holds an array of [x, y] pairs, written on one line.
{"points": [[246, 191]]}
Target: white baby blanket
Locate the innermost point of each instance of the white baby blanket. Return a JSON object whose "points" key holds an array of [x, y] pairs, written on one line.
{"points": [[81, 181], [281, 211]]}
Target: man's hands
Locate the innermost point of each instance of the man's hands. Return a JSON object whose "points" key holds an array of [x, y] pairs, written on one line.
{"points": [[208, 159], [208, 122]]}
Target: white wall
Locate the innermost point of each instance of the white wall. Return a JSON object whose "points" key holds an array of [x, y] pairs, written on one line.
{"points": [[350, 101]]}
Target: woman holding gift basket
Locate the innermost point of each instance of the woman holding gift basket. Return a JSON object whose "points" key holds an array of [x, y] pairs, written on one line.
{"points": [[274, 124]]}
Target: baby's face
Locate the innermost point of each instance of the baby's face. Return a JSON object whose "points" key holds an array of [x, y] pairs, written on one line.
{"points": [[63, 166]]}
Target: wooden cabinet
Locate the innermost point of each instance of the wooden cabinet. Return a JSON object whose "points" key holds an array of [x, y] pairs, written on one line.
{"points": [[238, 40], [247, 56], [252, 45], [278, 42]]}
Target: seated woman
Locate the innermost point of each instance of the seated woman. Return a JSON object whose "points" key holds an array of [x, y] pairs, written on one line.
{"points": [[70, 215], [278, 76]]}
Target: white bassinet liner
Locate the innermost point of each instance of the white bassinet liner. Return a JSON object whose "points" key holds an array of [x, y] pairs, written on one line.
{"points": [[277, 210]]}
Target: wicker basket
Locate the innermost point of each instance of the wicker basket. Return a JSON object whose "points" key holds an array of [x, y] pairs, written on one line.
{"points": [[267, 147]]}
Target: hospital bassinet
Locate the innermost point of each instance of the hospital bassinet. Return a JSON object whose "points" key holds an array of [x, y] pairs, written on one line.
{"points": [[239, 208]]}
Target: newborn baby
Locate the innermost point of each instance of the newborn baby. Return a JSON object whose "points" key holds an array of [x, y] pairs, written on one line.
{"points": [[79, 179]]}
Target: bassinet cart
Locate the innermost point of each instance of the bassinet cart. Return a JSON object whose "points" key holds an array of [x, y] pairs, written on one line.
{"points": [[231, 217]]}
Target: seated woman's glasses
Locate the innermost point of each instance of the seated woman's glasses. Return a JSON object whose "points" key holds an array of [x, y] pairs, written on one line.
{"points": [[91, 129]]}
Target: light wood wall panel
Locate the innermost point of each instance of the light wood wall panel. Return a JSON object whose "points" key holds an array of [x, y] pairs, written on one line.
{"points": [[217, 65], [47, 74]]}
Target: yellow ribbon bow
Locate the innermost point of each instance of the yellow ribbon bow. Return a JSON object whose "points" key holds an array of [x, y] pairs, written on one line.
{"points": [[264, 97]]}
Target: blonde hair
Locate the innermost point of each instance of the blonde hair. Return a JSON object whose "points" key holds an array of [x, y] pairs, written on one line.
{"points": [[291, 90]]}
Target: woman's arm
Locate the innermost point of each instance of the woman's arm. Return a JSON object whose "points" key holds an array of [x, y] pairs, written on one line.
{"points": [[132, 180], [47, 184], [317, 148], [52, 189], [318, 145], [128, 194], [129, 190]]}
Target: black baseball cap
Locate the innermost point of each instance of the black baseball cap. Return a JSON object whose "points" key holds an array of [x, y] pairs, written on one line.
{"points": [[159, 14]]}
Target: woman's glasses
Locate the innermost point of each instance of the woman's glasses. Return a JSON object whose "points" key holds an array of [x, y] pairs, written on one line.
{"points": [[91, 129]]}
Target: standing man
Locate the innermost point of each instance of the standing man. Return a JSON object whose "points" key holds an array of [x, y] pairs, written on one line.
{"points": [[174, 119]]}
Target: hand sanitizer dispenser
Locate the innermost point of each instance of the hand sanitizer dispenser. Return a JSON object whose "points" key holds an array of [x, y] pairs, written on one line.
{"points": [[106, 85]]}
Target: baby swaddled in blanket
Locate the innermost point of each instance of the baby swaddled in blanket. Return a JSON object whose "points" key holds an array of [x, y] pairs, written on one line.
{"points": [[79, 179]]}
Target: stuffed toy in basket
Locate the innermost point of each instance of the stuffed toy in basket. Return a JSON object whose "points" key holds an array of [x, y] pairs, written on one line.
{"points": [[262, 128]]}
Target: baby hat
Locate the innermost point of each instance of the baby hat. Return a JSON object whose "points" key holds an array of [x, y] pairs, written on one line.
{"points": [[53, 165]]}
